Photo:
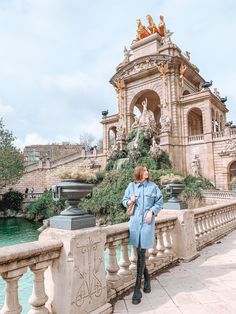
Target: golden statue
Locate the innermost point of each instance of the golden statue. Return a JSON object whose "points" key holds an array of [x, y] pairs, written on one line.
{"points": [[182, 69], [163, 68], [142, 31], [162, 26], [152, 26]]}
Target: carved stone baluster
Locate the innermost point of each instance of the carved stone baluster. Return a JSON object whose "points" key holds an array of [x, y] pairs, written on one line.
{"points": [[148, 263], [167, 242], [133, 260], [112, 269], [153, 253], [211, 225], [12, 305], [160, 244], [124, 262], [39, 297], [196, 228], [217, 220]]}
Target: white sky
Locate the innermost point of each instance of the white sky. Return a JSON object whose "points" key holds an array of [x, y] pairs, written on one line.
{"points": [[57, 56]]}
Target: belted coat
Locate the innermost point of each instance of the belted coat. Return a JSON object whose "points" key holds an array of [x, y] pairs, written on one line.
{"points": [[148, 197]]}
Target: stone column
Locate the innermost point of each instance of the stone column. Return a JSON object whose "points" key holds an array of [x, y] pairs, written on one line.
{"points": [[76, 283], [183, 235]]}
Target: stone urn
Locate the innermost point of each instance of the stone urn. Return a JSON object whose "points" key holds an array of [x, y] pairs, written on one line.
{"points": [[72, 217], [174, 189]]}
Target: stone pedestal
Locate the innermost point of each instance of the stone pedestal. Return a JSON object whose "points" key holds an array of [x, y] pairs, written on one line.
{"points": [[73, 222], [76, 282]]}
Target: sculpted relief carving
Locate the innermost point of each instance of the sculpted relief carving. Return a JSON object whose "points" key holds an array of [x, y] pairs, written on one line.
{"points": [[165, 123], [87, 271], [145, 63], [230, 148]]}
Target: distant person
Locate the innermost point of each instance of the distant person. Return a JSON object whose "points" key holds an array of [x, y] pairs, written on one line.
{"points": [[32, 192], [26, 192]]}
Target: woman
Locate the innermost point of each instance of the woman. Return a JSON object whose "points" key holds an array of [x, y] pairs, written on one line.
{"points": [[148, 201]]}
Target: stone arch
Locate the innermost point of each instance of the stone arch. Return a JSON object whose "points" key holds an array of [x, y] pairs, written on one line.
{"points": [[231, 171], [153, 100], [195, 122], [186, 92], [112, 131]]}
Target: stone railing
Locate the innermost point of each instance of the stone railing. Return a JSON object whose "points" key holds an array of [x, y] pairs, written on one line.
{"points": [[120, 275], [15, 261], [90, 268], [213, 222], [218, 196], [196, 138], [225, 133]]}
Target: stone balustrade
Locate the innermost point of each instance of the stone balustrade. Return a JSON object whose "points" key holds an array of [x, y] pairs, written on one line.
{"points": [[212, 222], [90, 268], [120, 274], [218, 196], [227, 132], [196, 138], [15, 262]]}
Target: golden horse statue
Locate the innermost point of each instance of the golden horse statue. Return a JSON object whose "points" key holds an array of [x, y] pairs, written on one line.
{"points": [[152, 26], [162, 26], [142, 31]]}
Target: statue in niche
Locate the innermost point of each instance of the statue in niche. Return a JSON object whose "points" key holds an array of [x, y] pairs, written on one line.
{"points": [[195, 165], [142, 31], [165, 124]]}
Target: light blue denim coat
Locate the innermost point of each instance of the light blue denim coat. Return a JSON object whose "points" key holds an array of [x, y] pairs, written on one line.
{"points": [[148, 196]]}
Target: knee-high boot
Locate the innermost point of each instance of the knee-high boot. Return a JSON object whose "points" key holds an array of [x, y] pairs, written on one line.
{"points": [[147, 283], [136, 298]]}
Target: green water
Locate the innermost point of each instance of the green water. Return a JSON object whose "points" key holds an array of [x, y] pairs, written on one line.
{"points": [[14, 231]]}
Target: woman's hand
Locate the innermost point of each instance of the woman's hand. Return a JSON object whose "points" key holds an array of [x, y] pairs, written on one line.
{"points": [[132, 199], [148, 217]]}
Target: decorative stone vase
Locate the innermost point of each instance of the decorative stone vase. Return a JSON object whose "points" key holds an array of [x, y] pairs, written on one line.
{"points": [[72, 217], [73, 190], [174, 189]]}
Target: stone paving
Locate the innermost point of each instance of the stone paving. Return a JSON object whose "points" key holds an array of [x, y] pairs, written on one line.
{"points": [[204, 286]]}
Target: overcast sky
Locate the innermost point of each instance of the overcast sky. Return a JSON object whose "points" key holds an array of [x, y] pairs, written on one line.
{"points": [[57, 56]]}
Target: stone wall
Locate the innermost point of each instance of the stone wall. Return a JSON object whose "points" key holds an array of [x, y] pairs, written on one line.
{"points": [[43, 175]]}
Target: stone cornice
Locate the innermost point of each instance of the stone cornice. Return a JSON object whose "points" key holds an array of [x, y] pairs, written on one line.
{"points": [[202, 95], [139, 68], [109, 119]]}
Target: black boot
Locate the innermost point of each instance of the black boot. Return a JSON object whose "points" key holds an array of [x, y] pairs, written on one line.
{"points": [[136, 298], [147, 283]]}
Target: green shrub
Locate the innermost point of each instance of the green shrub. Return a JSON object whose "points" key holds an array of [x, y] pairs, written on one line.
{"points": [[44, 207], [109, 165], [107, 196], [12, 200], [194, 186], [100, 175]]}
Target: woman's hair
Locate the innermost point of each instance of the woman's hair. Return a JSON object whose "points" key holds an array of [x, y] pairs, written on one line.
{"points": [[138, 172]]}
